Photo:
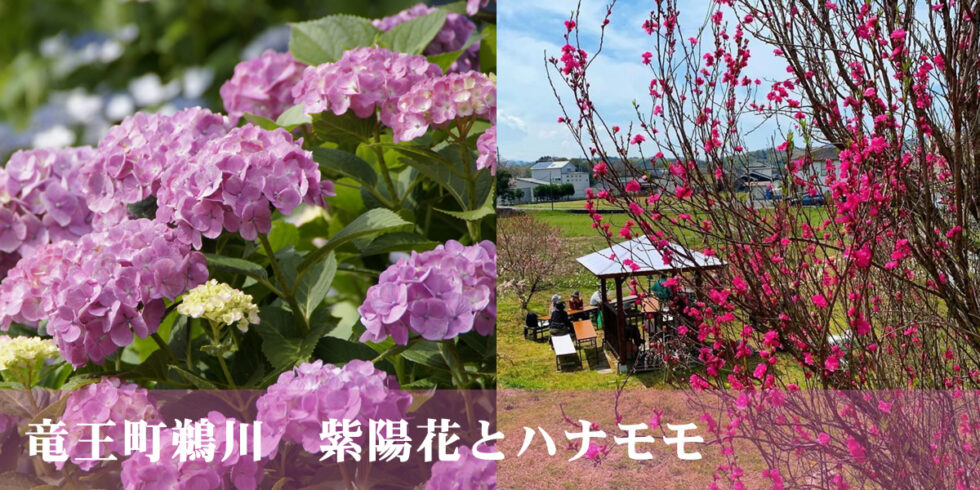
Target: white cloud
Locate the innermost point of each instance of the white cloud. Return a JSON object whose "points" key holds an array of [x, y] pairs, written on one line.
{"points": [[512, 121]]}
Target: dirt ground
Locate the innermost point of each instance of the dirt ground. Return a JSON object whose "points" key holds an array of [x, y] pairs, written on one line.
{"points": [[535, 469]]}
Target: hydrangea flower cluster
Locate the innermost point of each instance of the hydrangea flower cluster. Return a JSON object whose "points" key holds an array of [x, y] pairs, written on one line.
{"points": [[465, 473], [25, 355], [486, 145], [313, 392], [473, 6], [440, 100], [363, 80], [438, 294], [40, 202], [134, 155], [231, 183], [262, 86], [452, 37], [221, 304], [109, 400], [139, 472], [101, 290]]}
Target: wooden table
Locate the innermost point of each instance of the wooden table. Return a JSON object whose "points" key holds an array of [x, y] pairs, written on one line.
{"points": [[583, 312], [585, 332], [564, 346], [571, 313]]}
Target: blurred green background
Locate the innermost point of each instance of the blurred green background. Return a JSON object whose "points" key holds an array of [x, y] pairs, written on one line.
{"points": [[69, 69]]}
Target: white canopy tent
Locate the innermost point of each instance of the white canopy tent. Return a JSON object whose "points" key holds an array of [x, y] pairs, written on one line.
{"points": [[610, 262]]}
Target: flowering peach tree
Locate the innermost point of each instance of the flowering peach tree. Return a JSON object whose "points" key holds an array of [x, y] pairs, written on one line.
{"points": [[328, 239], [860, 270], [532, 254]]}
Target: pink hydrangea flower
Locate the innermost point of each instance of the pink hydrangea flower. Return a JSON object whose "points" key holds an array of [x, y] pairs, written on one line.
{"points": [[135, 154], [100, 291], [473, 6], [233, 183], [363, 80], [43, 203], [295, 407], [262, 86], [486, 145], [441, 100], [109, 400], [438, 294]]}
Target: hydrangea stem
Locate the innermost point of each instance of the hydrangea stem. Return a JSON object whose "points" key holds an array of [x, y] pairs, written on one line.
{"points": [[163, 346], [458, 371], [384, 167], [289, 296], [473, 227], [364, 473], [30, 398], [348, 483], [216, 334], [401, 201], [190, 338], [25, 378]]}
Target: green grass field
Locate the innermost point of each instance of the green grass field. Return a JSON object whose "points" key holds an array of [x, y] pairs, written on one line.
{"points": [[531, 365]]}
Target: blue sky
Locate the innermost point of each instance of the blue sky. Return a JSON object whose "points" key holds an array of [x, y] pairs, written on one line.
{"points": [[526, 108]]}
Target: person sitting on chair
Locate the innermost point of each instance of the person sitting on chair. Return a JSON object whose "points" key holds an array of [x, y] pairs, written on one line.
{"points": [[596, 301], [596, 298], [575, 302], [559, 320], [554, 301], [661, 291], [530, 323]]}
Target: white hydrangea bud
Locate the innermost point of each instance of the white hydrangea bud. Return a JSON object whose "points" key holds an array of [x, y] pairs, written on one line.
{"points": [[220, 303], [23, 356]]}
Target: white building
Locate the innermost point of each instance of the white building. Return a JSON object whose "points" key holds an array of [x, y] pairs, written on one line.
{"points": [[526, 186], [561, 172]]}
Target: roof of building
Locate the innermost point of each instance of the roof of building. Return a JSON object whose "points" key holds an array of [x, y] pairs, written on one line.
{"points": [[828, 152], [642, 252], [530, 180], [555, 165], [759, 175]]}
